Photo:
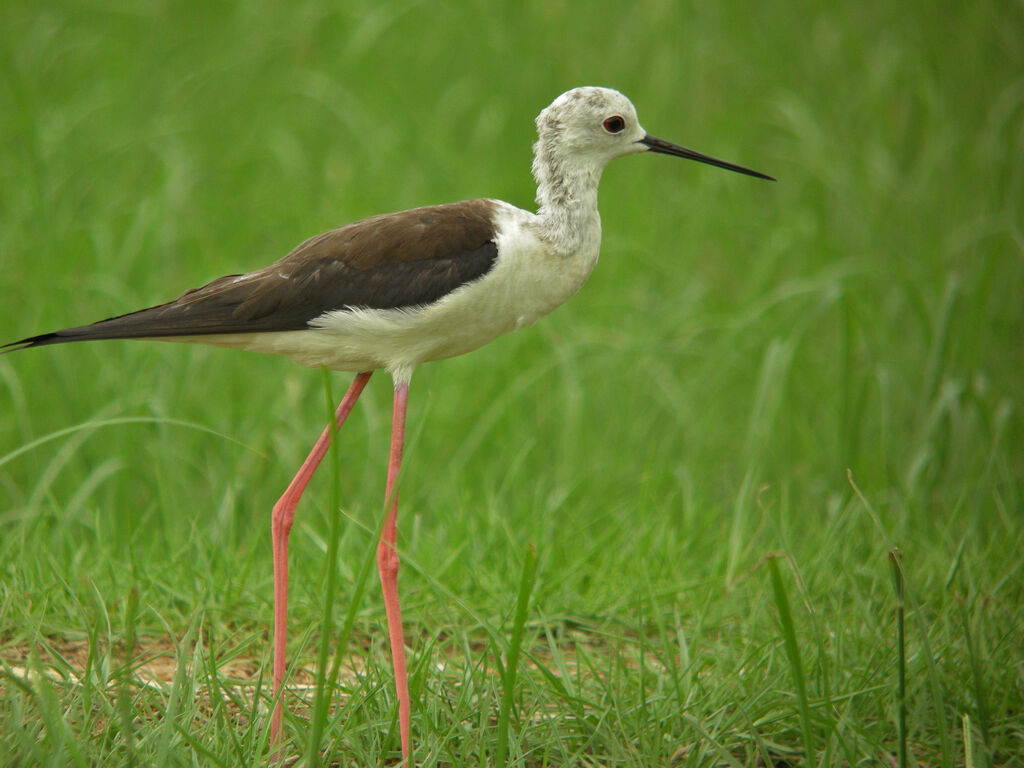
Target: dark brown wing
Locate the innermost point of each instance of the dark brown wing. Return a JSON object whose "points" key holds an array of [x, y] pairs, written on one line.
{"points": [[405, 259]]}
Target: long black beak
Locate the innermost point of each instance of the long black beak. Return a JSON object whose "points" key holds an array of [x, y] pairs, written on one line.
{"points": [[668, 148]]}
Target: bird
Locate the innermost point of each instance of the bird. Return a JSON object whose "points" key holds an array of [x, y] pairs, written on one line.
{"points": [[394, 291]]}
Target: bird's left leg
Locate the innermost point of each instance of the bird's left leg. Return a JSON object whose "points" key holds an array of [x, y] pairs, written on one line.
{"points": [[387, 564], [283, 514]]}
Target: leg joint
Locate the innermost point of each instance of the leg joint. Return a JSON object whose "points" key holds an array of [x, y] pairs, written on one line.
{"points": [[387, 559]]}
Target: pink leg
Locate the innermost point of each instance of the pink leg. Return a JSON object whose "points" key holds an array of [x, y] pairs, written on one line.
{"points": [[387, 564], [281, 525]]}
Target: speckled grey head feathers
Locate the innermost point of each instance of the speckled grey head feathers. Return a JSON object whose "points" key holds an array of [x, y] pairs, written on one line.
{"points": [[598, 124]]}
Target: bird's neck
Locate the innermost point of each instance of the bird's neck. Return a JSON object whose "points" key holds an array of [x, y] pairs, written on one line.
{"points": [[567, 217]]}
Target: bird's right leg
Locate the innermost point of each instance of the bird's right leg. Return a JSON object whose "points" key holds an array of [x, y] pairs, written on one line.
{"points": [[281, 525]]}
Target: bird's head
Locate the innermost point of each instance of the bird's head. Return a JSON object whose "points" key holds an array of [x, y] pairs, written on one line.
{"points": [[589, 127], [592, 125]]}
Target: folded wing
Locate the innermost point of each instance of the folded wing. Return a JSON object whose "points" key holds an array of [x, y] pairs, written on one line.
{"points": [[399, 260]]}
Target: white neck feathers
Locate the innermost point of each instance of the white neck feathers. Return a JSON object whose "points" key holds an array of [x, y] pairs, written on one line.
{"points": [[566, 197]]}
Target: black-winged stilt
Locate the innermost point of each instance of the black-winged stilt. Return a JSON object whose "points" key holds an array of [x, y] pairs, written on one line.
{"points": [[393, 291]]}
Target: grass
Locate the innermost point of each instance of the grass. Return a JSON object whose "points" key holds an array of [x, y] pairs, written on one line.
{"points": [[713, 449]]}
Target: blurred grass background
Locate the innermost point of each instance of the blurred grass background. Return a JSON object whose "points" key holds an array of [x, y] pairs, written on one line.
{"points": [[745, 358]]}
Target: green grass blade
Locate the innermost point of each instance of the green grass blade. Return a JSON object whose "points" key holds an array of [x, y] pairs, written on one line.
{"points": [[968, 741], [526, 582], [977, 678], [180, 694], [896, 563], [796, 666], [125, 707], [93, 425], [941, 726], [322, 698]]}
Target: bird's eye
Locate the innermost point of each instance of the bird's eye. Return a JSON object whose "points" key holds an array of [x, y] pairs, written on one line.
{"points": [[614, 124]]}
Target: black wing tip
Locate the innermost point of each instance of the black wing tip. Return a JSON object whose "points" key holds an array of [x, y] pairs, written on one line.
{"points": [[41, 340]]}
